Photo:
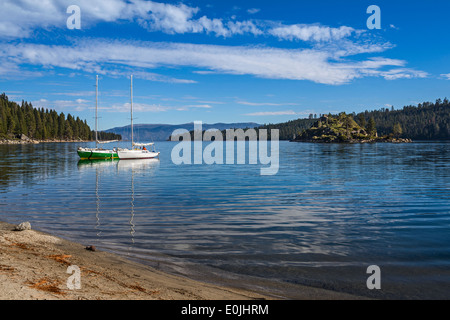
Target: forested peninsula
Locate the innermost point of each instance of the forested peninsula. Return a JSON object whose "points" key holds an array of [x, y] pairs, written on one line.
{"points": [[426, 121], [343, 129], [25, 124]]}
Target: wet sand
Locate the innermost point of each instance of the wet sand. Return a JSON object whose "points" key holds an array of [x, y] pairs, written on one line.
{"points": [[34, 265]]}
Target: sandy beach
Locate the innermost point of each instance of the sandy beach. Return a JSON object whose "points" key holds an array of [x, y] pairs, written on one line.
{"points": [[34, 266]]}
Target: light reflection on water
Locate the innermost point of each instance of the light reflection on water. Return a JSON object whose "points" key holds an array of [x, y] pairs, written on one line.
{"points": [[331, 211]]}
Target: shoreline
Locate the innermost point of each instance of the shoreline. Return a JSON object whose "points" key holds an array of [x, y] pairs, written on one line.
{"points": [[34, 265], [355, 141], [31, 141]]}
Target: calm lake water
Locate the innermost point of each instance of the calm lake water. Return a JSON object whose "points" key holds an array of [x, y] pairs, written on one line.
{"points": [[330, 212]]}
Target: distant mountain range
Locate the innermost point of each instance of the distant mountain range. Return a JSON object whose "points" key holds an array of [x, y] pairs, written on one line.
{"points": [[162, 132]]}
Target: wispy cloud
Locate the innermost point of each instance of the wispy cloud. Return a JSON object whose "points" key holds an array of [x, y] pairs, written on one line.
{"points": [[75, 94], [247, 103], [137, 107], [11, 70], [155, 108], [253, 10], [326, 61], [314, 33], [211, 102], [403, 73], [197, 106], [63, 105], [21, 18], [96, 56], [272, 113]]}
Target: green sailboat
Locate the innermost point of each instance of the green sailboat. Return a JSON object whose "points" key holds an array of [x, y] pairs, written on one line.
{"points": [[97, 153]]}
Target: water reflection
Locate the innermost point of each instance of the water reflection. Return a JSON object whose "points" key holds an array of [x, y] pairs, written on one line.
{"points": [[111, 168], [28, 163], [132, 231], [331, 211], [98, 165], [143, 166]]}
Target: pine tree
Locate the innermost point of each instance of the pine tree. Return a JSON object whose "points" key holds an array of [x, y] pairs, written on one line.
{"points": [[39, 123], [371, 128], [21, 124], [68, 132], [10, 124], [39, 126], [3, 125], [61, 125], [362, 120], [30, 121], [397, 130]]}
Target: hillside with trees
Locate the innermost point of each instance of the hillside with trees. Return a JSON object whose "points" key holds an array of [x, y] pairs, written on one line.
{"points": [[427, 121], [289, 130], [344, 129], [40, 124]]}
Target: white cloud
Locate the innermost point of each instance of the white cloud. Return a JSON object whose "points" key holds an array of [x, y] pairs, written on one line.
{"points": [[204, 72], [75, 94], [211, 102], [446, 76], [253, 10], [137, 107], [311, 32], [173, 19], [11, 70], [62, 105], [154, 77], [345, 47], [272, 113], [96, 56], [247, 103], [21, 18], [243, 27], [144, 107], [324, 63], [198, 106], [402, 73]]}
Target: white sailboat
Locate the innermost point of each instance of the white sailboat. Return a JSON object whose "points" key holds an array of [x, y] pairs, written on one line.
{"points": [[138, 150]]}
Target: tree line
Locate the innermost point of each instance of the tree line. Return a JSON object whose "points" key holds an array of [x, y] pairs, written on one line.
{"points": [[426, 121], [40, 124]]}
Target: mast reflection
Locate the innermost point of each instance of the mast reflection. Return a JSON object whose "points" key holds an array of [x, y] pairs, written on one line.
{"points": [[135, 166], [99, 166], [132, 168]]}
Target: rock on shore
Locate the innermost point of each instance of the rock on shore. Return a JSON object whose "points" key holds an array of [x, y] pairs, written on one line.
{"points": [[23, 226]]}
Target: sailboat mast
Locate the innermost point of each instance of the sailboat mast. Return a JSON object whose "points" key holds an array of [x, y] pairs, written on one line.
{"points": [[96, 110], [131, 96]]}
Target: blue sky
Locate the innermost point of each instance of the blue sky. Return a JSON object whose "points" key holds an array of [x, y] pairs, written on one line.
{"points": [[223, 61]]}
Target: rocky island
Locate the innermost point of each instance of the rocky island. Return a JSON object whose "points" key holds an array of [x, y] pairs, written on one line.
{"points": [[344, 129]]}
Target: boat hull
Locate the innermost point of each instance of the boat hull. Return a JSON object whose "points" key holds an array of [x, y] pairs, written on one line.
{"points": [[136, 154], [92, 154]]}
